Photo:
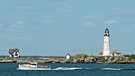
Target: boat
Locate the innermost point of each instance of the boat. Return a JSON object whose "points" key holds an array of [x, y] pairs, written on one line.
{"points": [[33, 66]]}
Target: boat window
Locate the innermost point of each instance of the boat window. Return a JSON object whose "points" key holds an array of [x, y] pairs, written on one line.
{"points": [[33, 64]]}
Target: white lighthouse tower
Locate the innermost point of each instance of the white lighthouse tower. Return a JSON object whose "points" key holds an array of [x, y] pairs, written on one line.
{"points": [[106, 47]]}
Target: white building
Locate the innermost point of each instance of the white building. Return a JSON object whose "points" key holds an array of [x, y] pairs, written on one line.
{"points": [[68, 56], [14, 53], [106, 47], [116, 53]]}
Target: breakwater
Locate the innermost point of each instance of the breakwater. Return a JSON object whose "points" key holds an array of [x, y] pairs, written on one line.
{"points": [[79, 58]]}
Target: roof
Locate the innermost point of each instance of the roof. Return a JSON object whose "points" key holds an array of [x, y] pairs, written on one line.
{"points": [[68, 54], [116, 51], [106, 30], [101, 53], [11, 51]]}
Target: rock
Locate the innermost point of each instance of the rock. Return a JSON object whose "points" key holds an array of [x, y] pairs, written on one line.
{"points": [[93, 59], [100, 59], [127, 58], [87, 60], [90, 59], [81, 56], [81, 60], [75, 61], [106, 58], [56, 61], [50, 61]]}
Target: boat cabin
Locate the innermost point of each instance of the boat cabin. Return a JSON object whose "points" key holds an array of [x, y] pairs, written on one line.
{"points": [[33, 64]]}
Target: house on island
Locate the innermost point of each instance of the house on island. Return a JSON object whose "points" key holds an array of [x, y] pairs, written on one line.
{"points": [[14, 52], [113, 53], [68, 56], [116, 53]]}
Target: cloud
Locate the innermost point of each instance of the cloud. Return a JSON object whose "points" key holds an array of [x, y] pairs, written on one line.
{"points": [[0, 25], [89, 24], [25, 7], [5, 27], [110, 22], [91, 17], [15, 38], [49, 21], [129, 11], [12, 26], [63, 10], [17, 24], [133, 24], [126, 11]]}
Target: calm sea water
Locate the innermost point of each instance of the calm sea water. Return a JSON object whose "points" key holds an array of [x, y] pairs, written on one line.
{"points": [[10, 69]]}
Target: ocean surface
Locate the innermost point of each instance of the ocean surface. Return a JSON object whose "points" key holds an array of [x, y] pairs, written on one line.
{"points": [[10, 69]]}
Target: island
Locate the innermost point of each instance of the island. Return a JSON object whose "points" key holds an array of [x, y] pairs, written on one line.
{"points": [[79, 58]]}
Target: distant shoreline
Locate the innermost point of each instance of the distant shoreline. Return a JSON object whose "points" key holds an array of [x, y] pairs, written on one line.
{"points": [[79, 58]]}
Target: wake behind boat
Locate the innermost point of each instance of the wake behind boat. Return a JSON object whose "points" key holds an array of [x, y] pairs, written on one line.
{"points": [[33, 66]]}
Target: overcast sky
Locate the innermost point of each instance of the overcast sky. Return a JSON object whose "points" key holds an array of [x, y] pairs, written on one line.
{"points": [[58, 27]]}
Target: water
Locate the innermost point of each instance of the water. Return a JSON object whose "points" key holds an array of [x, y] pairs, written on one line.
{"points": [[9, 69]]}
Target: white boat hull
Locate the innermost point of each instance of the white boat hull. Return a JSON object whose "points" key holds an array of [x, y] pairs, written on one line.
{"points": [[28, 67]]}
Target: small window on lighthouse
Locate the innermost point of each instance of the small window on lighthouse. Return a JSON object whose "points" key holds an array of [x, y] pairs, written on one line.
{"points": [[105, 41]]}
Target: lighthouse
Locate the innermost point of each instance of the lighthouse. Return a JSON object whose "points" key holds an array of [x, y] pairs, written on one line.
{"points": [[106, 47]]}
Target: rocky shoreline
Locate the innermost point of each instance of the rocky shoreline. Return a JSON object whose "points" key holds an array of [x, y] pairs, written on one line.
{"points": [[79, 58]]}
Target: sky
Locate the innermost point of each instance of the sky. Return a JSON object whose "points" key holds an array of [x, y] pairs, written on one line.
{"points": [[58, 27]]}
